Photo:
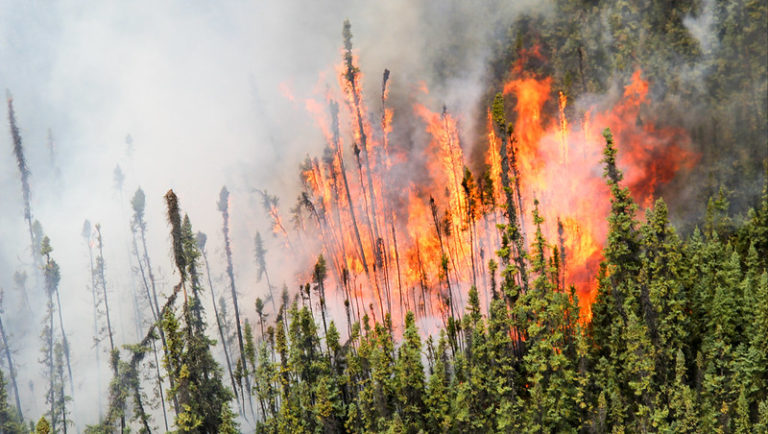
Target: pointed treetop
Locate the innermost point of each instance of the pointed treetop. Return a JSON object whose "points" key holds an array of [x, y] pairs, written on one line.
{"points": [[86, 233], [497, 111], [201, 239], [138, 202], [223, 199], [119, 178], [45, 246], [320, 270], [259, 306], [174, 218], [260, 252], [611, 172]]}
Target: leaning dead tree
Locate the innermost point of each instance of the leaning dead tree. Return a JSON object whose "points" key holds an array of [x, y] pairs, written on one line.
{"points": [[130, 369]]}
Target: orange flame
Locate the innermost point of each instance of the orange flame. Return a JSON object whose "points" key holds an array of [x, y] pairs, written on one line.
{"points": [[569, 184], [421, 247]]}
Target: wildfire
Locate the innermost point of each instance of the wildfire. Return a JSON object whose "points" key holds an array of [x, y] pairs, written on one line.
{"points": [[560, 165], [395, 244]]}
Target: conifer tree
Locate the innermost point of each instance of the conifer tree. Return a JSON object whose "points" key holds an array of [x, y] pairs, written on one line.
{"points": [[148, 281], [318, 276], [18, 150], [617, 295], [223, 206], [201, 239], [514, 228], [55, 394], [43, 427], [87, 234], [203, 399], [11, 369], [439, 393], [260, 254], [409, 374], [549, 364], [10, 418]]}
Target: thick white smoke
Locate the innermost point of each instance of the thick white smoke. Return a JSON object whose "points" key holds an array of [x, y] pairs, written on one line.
{"points": [[189, 96]]}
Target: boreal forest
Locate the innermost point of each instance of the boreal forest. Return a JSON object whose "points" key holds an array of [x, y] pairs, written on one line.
{"points": [[390, 217]]}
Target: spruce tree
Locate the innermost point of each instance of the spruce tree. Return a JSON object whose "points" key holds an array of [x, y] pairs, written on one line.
{"points": [[617, 299], [203, 399], [10, 418], [409, 375]]}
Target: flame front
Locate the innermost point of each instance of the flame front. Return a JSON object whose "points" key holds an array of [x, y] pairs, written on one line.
{"points": [[396, 244], [561, 166]]}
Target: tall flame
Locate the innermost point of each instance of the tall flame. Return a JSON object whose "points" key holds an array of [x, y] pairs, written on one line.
{"points": [[418, 243], [561, 166]]}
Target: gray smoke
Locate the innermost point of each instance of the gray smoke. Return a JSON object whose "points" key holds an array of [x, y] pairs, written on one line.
{"points": [[189, 96]]}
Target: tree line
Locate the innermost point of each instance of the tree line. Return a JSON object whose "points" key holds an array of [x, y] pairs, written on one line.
{"points": [[677, 342]]}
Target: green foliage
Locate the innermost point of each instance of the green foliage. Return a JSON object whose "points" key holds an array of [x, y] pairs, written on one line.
{"points": [[678, 335], [197, 384], [677, 343], [9, 416], [43, 427]]}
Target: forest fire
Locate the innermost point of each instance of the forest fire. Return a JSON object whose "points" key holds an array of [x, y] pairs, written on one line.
{"points": [[422, 249], [546, 217], [560, 166]]}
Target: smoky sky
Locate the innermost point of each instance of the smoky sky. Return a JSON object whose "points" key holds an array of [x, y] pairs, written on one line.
{"points": [[189, 95]]}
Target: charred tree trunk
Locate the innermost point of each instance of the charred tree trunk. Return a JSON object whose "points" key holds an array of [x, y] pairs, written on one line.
{"points": [[444, 259], [224, 208], [154, 318], [65, 344], [87, 235], [201, 238], [139, 226], [334, 107], [103, 281]]}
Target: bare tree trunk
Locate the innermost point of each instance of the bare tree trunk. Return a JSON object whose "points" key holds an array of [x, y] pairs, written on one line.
{"points": [[87, 235], [334, 107], [65, 343], [100, 264], [154, 317], [224, 208], [156, 305], [218, 324]]}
